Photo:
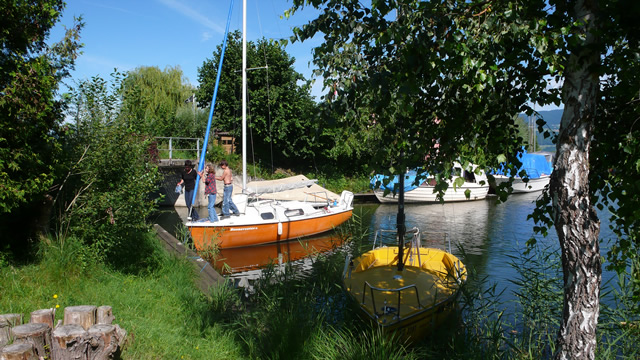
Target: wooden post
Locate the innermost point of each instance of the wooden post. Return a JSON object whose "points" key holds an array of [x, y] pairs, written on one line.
{"points": [[43, 316], [39, 335], [69, 342], [18, 352], [83, 315], [105, 315]]}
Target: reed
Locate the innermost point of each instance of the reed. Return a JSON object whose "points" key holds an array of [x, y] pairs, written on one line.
{"points": [[526, 327]]}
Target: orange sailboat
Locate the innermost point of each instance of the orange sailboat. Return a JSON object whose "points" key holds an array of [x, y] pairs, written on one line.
{"points": [[265, 221]]}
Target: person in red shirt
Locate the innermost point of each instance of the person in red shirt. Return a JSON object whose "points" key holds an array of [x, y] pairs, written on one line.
{"points": [[210, 190]]}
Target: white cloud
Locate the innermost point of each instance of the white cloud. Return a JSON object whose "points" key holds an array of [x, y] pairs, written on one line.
{"points": [[193, 15], [206, 36]]}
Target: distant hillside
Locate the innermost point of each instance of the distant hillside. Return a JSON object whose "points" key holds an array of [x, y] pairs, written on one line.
{"points": [[552, 117]]}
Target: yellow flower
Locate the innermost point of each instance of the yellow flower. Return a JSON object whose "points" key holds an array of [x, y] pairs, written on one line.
{"points": [[197, 347], [55, 296], [57, 306]]}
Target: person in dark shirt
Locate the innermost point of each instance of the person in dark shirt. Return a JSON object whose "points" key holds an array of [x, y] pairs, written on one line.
{"points": [[189, 176]]}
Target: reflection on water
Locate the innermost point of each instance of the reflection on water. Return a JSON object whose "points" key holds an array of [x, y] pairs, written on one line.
{"points": [[255, 257], [464, 222]]}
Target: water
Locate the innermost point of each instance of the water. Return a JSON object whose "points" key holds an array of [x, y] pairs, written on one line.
{"points": [[490, 233]]}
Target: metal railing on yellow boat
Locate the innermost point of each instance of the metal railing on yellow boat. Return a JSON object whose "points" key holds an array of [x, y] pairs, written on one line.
{"points": [[398, 290]]}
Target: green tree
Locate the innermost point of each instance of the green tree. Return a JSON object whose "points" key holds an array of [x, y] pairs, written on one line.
{"points": [[345, 149], [280, 109], [153, 98], [457, 73], [30, 106]]}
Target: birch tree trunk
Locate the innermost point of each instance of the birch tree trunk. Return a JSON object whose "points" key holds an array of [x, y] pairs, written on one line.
{"points": [[575, 219]]}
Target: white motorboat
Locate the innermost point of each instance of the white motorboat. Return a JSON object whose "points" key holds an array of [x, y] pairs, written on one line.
{"points": [[475, 187]]}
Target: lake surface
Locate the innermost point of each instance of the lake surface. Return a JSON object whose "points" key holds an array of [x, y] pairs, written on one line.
{"points": [[491, 234]]}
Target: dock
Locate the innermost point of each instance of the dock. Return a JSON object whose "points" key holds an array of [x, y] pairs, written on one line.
{"points": [[207, 276]]}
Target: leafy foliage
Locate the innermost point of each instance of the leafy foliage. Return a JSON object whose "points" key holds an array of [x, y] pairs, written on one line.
{"points": [[425, 82], [280, 121], [104, 198], [615, 156], [30, 108]]}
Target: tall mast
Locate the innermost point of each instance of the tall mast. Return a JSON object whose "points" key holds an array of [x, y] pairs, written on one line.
{"points": [[244, 95]]}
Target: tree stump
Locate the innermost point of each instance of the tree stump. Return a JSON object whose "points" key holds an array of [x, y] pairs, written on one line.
{"points": [[103, 341], [83, 315], [11, 319], [105, 315], [69, 342], [5, 333], [18, 352], [44, 316], [7, 321], [39, 335]]}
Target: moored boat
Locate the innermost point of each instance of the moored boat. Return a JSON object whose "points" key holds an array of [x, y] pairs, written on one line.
{"points": [[474, 187], [270, 221], [533, 184], [410, 302], [538, 173]]}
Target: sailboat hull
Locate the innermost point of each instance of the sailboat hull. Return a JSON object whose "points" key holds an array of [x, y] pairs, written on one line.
{"points": [[268, 223], [425, 194], [519, 186]]}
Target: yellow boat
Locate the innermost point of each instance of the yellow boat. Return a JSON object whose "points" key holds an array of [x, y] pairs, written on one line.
{"points": [[412, 302]]}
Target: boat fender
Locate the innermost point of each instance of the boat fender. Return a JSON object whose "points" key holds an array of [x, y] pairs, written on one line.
{"points": [[279, 228]]}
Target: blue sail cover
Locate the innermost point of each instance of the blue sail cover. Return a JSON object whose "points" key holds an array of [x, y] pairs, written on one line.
{"points": [[535, 165], [409, 181]]}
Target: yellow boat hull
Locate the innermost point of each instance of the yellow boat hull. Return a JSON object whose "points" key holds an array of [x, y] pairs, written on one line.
{"points": [[410, 303]]}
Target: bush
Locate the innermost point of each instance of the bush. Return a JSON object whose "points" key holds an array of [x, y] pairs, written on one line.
{"points": [[104, 197]]}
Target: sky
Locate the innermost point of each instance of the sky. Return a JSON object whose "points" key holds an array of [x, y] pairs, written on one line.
{"points": [[126, 34]]}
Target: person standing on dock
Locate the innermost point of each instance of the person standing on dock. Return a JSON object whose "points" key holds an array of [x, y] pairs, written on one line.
{"points": [[189, 177], [227, 179]]}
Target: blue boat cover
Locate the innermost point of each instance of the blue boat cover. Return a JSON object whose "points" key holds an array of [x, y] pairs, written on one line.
{"points": [[409, 181], [535, 165]]}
